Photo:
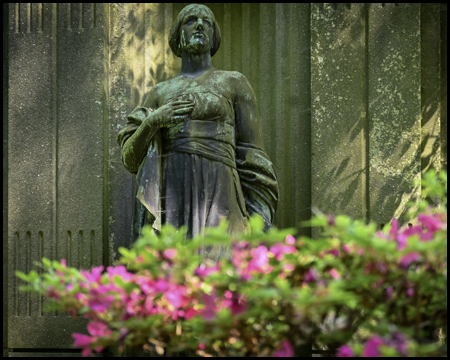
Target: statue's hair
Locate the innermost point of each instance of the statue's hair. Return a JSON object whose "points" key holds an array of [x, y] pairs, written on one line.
{"points": [[174, 35]]}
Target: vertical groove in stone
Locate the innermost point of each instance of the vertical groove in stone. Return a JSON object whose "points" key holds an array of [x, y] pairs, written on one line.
{"points": [[94, 15], [365, 112], [246, 60], [17, 17], [34, 17], [28, 17], [28, 267], [92, 244], [300, 110], [218, 10], [23, 17], [226, 35], [69, 248], [267, 79], [282, 84], [40, 270], [40, 16], [16, 279], [55, 105], [80, 17], [69, 16], [79, 249]]}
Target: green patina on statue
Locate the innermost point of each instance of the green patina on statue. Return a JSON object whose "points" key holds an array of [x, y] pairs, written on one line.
{"points": [[196, 143]]}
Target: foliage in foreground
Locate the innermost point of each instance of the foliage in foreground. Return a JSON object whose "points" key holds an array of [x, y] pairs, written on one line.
{"points": [[276, 292]]}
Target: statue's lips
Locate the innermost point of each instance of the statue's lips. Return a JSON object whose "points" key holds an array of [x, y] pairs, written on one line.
{"points": [[199, 34]]}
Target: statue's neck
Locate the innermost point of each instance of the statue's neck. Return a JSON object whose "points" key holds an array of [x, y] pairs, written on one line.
{"points": [[193, 65]]}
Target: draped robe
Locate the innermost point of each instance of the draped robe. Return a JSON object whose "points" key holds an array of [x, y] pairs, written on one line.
{"points": [[208, 167]]}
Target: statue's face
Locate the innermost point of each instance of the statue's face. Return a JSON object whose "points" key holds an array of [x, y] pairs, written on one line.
{"points": [[197, 31]]}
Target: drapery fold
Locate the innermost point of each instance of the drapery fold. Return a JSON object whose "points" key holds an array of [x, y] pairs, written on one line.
{"points": [[215, 141]]}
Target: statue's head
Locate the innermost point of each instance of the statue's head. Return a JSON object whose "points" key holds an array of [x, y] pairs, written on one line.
{"points": [[183, 35]]}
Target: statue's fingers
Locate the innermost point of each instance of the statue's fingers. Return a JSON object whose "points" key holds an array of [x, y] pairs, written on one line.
{"points": [[181, 102], [184, 110]]}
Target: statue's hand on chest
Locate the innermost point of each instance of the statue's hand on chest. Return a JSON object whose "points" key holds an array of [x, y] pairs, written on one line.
{"points": [[171, 113]]}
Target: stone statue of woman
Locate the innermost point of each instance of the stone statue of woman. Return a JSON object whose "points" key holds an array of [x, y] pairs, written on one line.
{"points": [[196, 144]]}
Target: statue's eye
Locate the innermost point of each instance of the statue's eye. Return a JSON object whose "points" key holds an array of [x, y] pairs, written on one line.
{"points": [[191, 19], [206, 21]]}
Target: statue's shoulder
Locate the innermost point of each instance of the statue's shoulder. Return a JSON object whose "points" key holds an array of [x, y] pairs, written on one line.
{"points": [[237, 82], [230, 75]]}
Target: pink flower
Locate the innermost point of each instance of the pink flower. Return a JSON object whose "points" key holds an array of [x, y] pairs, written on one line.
{"points": [[121, 271], [51, 292], [394, 229], [334, 252], [63, 262], [161, 285], [86, 352], [280, 249], [287, 268], [335, 274], [346, 249], [371, 348], [406, 260], [285, 350], [98, 329], [209, 311], [378, 283], [331, 220], [402, 237], [82, 340], [190, 313], [175, 297], [235, 302], [345, 351], [389, 292], [204, 271], [431, 223], [260, 260], [170, 253], [145, 284], [94, 275], [290, 240], [382, 268], [101, 303], [400, 342], [310, 276], [410, 292]]}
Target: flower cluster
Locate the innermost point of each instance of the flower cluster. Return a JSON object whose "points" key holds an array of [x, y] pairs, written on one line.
{"points": [[275, 293]]}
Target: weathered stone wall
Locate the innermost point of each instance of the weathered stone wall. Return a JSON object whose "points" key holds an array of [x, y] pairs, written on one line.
{"points": [[352, 99], [56, 150]]}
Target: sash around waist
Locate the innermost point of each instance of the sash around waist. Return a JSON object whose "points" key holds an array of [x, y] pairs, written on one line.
{"points": [[209, 139]]}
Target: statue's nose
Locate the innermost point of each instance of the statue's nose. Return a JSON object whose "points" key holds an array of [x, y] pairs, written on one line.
{"points": [[199, 23]]}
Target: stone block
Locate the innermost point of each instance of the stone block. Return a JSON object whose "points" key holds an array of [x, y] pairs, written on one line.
{"points": [[338, 117], [394, 80]]}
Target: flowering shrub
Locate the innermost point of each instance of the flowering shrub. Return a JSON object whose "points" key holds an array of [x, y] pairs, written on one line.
{"points": [[275, 294]]}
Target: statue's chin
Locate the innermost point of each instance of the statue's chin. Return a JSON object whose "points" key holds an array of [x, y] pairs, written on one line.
{"points": [[197, 48]]}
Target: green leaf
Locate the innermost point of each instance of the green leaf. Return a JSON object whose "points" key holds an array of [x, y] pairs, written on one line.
{"points": [[22, 275], [343, 221], [256, 223]]}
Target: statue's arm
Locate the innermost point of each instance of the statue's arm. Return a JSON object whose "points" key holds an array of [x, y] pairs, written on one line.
{"points": [[144, 122], [247, 123], [256, 171], [135, 147]]}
